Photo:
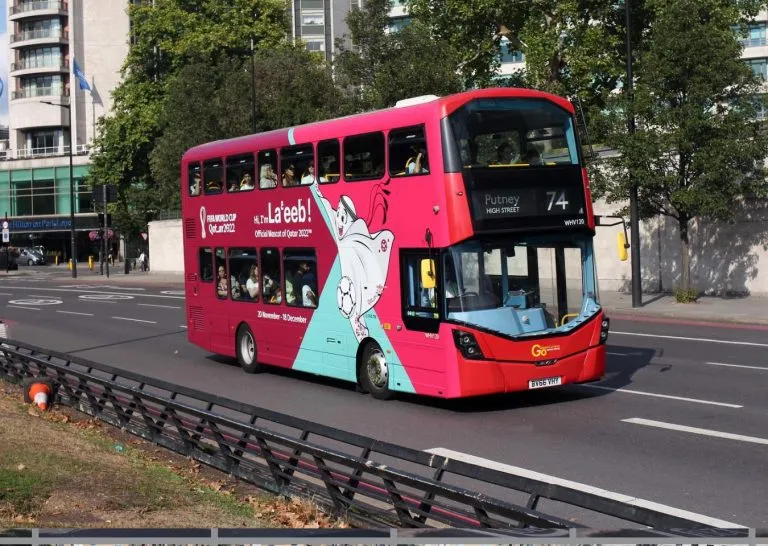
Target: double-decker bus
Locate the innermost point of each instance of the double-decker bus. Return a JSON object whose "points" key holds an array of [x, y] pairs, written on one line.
{"points": [[442, 247]]}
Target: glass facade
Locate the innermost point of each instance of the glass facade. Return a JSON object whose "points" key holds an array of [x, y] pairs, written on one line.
{"points": [[44, 191]]}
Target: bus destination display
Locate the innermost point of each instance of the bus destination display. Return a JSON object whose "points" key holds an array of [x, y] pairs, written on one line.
{"points": [[501, 203]]}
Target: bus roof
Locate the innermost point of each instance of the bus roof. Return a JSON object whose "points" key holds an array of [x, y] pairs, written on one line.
{"points": [[416, 107]]}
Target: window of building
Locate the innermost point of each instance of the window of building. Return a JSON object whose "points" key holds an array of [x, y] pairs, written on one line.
{"points": [[41, 57], [759, 67], [328, 153], [205, 262], [84, 196], [222, 281], [300, 268], [44, 142], [315, 44], [312, 18], [298, 164], [509, 54], [38, 86], [756, 35], [194, 179], [364, 157], [244, 274], [271, 287], [21, 198], [408, 152], [43, 197], [240, 173], [213, 176], [267, 169]]}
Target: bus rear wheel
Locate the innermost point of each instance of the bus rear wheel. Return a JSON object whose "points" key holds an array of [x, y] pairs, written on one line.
{"points": [[245, 347], [374, 372]]}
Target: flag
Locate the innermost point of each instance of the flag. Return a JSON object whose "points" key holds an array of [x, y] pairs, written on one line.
{"points": [[80, 76]]}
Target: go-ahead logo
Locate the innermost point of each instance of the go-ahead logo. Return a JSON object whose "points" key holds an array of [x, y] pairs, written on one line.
{"points": [[539, 350]]}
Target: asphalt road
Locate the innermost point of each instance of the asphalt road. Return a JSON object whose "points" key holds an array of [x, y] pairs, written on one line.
{"points": [[680, 419]]}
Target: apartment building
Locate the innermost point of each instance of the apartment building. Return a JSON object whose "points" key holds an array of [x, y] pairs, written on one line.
{"points": [[46, 37], [318, 23]]}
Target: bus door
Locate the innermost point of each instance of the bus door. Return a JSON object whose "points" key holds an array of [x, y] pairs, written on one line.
{"points": [[199, 293]]}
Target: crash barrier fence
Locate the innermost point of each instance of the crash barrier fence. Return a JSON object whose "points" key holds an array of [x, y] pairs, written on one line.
{"points": [[369, 482]]}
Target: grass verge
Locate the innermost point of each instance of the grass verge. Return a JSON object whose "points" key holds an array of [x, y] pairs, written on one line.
{"points": [[61, 469]]}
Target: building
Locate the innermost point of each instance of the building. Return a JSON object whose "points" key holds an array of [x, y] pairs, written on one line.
{"points": [[318, 23], [45, 38]]}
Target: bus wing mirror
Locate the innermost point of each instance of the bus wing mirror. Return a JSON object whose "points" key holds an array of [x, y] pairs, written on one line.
{"points": [[427, 273], [621, 237]]}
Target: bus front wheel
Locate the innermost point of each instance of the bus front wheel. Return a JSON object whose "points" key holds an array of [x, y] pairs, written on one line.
{"points": [[246, 350], [374, 372]]}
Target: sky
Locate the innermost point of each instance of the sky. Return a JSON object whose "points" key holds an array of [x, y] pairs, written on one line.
{"points": [[4, 62]]}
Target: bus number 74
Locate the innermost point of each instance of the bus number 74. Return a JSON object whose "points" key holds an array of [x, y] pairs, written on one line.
{"points": [[561, 201]]}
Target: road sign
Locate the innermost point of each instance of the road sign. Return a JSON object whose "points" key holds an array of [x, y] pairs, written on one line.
{"points": [[5, 224], [98, 193], [6, 236]]}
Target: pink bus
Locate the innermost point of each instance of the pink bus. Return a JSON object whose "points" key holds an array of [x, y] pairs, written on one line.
{"points": [[442, 247]]}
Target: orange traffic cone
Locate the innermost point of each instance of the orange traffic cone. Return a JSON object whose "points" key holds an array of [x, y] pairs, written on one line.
{"points": [[38, 391]]}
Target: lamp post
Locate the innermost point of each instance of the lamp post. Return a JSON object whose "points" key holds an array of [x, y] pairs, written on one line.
{"points": [[634, 221], [73, 241]]}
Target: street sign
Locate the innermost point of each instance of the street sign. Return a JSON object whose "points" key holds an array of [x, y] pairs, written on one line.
{"points": [[6, 236], [98, 193], [5, 224]]}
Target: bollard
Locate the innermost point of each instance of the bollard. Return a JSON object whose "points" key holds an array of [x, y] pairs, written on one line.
{"points": [[56, 259], [70, 264], [127, 266], [90, 263]]}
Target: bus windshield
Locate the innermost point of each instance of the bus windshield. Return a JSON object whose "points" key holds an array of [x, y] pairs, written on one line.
{"points": [[521, 286], [511, 132]]}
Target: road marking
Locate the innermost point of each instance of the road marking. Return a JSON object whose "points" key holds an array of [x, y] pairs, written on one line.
{"points": [[24, 307], [156, 305], [183, 326], [554, 480], [173, 292], [750, 343], [99, 301], [75, 313], [35, 301], [695, 430], [105, 297], [135, 320], [89, 291], [5, 294], [615, 354], [670, 397], [763, 368]]}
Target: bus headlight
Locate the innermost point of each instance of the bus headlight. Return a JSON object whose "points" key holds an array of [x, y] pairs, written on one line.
{"points": [[467, 344], [604, 326]]}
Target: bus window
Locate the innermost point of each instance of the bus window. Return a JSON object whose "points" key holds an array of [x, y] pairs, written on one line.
{"points": [[244, 274], [298, 164], [408, 152], [205, 259], [328, 163], [193, 177], [364, 157], [240, 175], [213, 176], [300, 268], [420, 286], [271, 290], [222, 285], [267, 169]]}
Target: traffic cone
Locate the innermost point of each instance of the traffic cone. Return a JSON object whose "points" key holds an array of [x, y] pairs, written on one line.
{"points": [[38, 391]]}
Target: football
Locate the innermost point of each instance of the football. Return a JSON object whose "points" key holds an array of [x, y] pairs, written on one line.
{"points": [[345, 297]]}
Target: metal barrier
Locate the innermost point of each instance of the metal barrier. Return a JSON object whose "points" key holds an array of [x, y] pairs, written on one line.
{"points": [[345, 473]]}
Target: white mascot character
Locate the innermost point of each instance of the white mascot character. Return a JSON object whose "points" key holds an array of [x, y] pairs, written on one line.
{"points": [[364, 258]]}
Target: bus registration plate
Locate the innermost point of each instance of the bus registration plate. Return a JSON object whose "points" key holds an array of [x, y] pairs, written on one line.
{"points": [[546, 382]]}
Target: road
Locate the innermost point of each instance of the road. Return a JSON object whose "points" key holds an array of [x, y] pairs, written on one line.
{"points": [[680, 419]]}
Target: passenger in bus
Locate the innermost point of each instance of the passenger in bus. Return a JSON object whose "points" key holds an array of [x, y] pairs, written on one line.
{"points": [[418, 164], [272, 292], [221, 287], [533, 157], [194, 189], [252, 284], [235, 288], [308, 296], [267, 177], [507, 154], [246, 183], [289, 176], [309, 175], [232, 187]]}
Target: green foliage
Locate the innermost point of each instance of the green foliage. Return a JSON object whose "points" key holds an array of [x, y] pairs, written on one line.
{"points": [[397, 65], [697, 149], [685, 296]]}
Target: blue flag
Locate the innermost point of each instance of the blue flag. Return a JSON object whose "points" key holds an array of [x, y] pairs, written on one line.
{"points": [[80, 76]]}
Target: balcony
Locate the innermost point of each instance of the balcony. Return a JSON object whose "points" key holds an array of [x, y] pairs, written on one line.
{"points": [[35, 153], [23, 68], [35, 37], [36, 8], [754, 42], [34, 92]]}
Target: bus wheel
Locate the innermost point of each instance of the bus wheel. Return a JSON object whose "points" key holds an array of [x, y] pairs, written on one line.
{"points": [[374, 372], [246, 350]]}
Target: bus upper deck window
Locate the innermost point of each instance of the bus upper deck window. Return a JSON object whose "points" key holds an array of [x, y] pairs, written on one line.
{"points": [[328, 164], [364, 157], [213, 176], [408, 152], [194, 179], [240, 173]]}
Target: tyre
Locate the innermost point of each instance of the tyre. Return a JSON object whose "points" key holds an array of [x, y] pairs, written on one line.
{"points": [[374, 372], [245, 348]]}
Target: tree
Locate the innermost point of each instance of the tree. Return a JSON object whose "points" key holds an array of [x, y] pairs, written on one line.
{"points": [[167, 35], [698, 149], [291, 87], [389, 66]]}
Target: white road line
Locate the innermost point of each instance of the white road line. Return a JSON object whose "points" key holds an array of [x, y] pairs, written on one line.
{"points": [[98, 301], [156, 305], [183, 326], [762, 368], [554, 480], [24, 307], [5, 294], [668, 396], [97, 291], [695, 430], [135, 320], [615, 354], [75, 313], [749, 343]]}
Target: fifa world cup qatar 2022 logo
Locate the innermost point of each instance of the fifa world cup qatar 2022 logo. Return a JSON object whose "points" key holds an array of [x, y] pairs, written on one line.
{"points": [[202, 220]]}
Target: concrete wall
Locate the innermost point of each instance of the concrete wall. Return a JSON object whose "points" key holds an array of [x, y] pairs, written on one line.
{"points": [[166, 254]]}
